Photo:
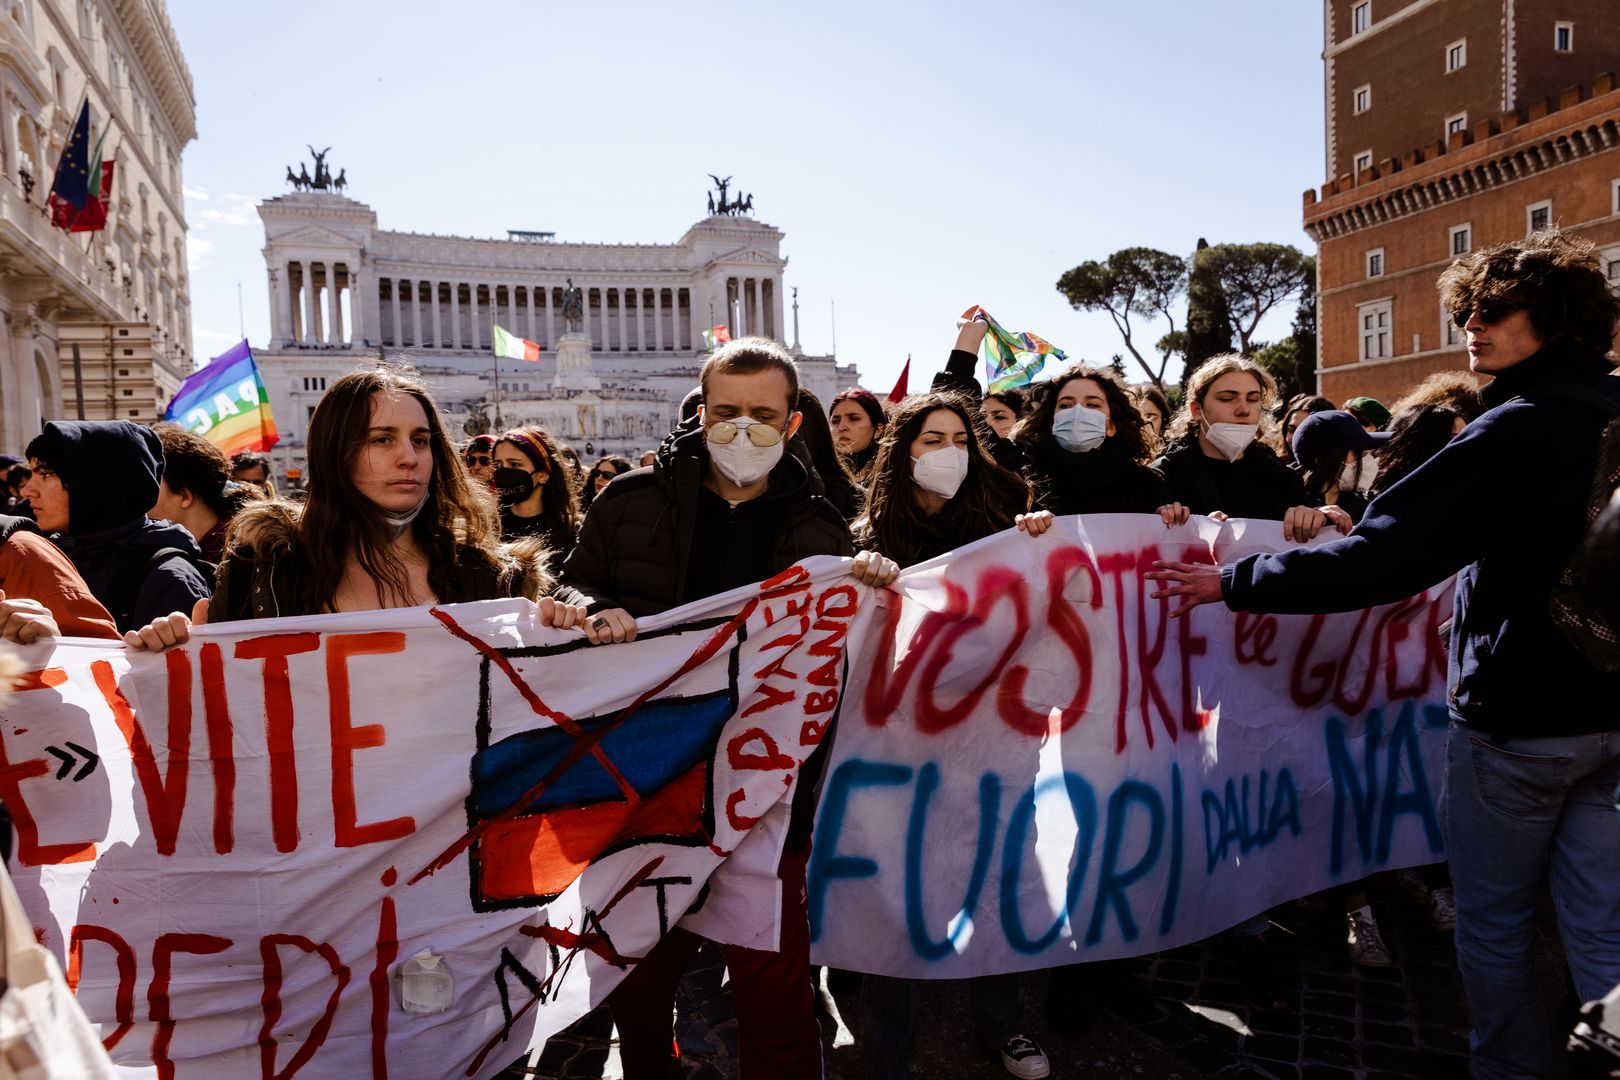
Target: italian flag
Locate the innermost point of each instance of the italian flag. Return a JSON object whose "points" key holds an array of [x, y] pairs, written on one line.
{"points": [[511, 347], [716, 335]]}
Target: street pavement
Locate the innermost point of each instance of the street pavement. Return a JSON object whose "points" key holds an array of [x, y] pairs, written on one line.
{"points": [[1289, 1006]]}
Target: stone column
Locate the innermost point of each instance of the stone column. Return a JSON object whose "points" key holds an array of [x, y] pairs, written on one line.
{"points": [[585, 311], [779, 328], [534, 327], [658, 318], [624, 319], [12, 431], [551, 329], [334, 306], [8, 124], [434, 323], [455, 315], [472, 298], [398, 338], [278, 288], [358, 306], [312, 307]]}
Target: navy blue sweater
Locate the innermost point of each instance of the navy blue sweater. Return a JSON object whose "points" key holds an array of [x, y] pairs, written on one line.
{"points": [[1503, 507]]}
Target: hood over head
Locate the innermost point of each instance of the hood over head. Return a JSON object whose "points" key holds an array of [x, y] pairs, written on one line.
{"points": [[110, 468]]}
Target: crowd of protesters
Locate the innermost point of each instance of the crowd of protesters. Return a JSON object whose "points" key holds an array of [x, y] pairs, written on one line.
{"points": [[109, 529]]}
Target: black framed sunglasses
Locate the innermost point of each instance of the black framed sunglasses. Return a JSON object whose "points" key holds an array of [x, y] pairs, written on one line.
{"points": [[480, 459], [1488, 313]]}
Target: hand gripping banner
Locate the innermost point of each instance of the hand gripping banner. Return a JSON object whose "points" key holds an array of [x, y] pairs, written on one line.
{"points": [[422, 841]]}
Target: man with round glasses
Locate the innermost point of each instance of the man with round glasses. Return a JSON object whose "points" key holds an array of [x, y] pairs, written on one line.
{"points": [[721, 507]]}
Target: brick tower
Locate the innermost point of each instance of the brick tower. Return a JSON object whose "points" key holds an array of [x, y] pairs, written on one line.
{"points": [[1451, 125]]}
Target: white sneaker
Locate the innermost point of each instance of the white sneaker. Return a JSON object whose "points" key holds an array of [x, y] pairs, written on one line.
{"points": [[1023, 1057], [1367, 946], [1443, 909]]}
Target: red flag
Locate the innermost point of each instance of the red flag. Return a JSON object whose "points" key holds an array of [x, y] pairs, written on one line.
{"points": [[899, 391], [93, 217]]}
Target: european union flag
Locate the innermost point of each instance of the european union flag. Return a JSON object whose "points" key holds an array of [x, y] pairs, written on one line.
{"points": [[72, 183]]}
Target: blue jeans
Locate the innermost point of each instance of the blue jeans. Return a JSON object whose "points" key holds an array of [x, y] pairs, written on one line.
{"points": [[889, 1018], [1518, 808]]}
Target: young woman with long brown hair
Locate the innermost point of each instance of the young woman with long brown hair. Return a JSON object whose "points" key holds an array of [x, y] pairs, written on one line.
{"points": [[935, 488], [1087, 448], [390, 520]]}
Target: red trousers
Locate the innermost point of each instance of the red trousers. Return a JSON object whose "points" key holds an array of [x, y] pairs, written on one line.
{"points": [[778, 1035]]}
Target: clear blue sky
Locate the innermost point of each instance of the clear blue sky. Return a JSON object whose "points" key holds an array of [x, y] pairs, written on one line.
{"points": [[920, 157]]}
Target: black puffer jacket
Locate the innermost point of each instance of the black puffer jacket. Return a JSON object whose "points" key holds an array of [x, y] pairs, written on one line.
{"points": [[111, 470], [636, 544], [1256, 485], [1100, 481]]}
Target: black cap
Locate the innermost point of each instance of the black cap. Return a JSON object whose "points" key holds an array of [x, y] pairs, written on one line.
{"points": [[1334, 431]]}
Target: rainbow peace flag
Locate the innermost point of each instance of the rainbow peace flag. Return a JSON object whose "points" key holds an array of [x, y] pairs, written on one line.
{"points": [[1011, 360], [226, 404]]}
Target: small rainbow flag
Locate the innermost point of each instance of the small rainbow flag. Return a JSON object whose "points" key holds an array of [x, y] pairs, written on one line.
{"points": [[226, 403], [1011, 360]]}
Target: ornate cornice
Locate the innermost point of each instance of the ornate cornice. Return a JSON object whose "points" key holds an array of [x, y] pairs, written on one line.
{"points": [[1398, 190], [151, 35]]}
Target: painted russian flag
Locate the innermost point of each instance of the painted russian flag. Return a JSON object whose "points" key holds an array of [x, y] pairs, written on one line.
{"points": [[226, 403]]}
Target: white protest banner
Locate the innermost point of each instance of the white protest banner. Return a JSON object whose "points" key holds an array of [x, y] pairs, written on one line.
{"points": [[405, 842], [420, 841], [1035, 766]]}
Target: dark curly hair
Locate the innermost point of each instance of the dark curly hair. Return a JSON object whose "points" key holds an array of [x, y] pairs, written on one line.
{"points": [[990, 496], [1555, 278], [1415, 436], [1130, 432]]}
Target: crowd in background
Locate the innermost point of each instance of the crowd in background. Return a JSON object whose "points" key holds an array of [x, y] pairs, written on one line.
{"points": [[113, 529]]}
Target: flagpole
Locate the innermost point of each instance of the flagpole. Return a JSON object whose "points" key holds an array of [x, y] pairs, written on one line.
{"points": [[495, 364]]}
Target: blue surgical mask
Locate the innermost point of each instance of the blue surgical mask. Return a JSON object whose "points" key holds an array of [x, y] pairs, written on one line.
{"points": [[1079, 429]]}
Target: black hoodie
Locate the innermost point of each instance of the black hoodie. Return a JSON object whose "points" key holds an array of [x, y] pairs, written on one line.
{"points": [[111, 470]]}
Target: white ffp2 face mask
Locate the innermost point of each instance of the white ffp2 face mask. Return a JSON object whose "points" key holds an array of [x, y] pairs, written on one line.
{"points": [[1358, 475], [1078, 429], [739, 460], [1231, 439], [941, 471]]}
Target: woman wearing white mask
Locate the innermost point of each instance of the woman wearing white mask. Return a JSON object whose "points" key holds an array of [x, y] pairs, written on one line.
{"points": [[1220, 460], [934, 488], [1086, 449], [1336, 457]]}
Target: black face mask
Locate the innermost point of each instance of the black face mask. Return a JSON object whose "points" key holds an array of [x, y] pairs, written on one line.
{"points": [[512, 485]]}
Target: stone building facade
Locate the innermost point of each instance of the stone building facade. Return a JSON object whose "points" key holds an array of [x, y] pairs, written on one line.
{"points": [[1451, 126], [343, 291], [122, 293]]}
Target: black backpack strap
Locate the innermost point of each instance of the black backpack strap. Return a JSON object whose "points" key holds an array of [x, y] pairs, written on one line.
{"points": [[135, 566]]}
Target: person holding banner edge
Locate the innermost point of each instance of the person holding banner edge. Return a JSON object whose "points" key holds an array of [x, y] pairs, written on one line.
{"points": [[722, 507], [935, 489], [391, 520], [1531, 767]]}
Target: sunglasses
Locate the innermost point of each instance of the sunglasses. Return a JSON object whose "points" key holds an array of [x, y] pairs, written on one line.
{"points": [[480, 459], [605, 474], [725, 431], [1488, 313]]}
